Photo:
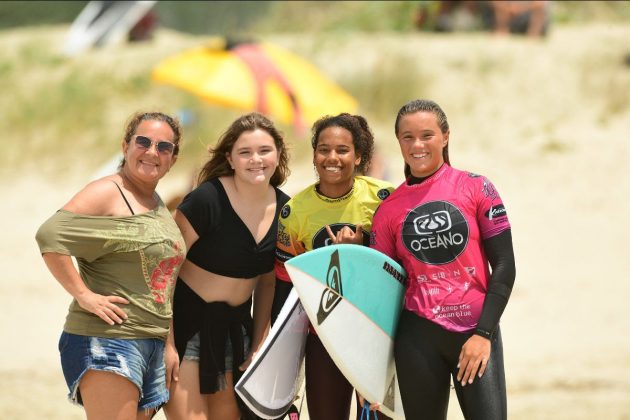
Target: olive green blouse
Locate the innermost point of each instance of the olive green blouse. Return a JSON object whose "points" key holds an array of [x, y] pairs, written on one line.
{"points": [[137, 257]]}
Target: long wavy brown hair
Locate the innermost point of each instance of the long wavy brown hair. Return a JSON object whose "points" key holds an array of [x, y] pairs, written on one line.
{"points": [[218, 164]]}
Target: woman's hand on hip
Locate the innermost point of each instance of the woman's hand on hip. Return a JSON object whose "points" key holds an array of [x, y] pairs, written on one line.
{"points": [[105, 307]]}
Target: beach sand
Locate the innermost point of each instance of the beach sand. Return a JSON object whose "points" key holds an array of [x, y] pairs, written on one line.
{"points": [[556, 152]]}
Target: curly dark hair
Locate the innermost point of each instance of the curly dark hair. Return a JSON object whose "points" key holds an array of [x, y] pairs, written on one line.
{"points": [[362, 137]]}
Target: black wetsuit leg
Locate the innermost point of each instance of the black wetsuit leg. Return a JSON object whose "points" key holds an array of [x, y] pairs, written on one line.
{"points": [[486, 397], [426, 360], [423, 374]]}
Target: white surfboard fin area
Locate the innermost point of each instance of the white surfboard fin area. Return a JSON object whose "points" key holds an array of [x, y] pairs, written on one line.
{"points": [[274, 378], [102, 23]]}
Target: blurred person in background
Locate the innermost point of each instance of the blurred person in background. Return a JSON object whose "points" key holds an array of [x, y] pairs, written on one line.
{"points": [[500, 17], [520, 17]]}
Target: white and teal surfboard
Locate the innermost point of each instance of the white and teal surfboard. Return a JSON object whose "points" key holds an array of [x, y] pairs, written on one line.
{"points": [[353, 297]]}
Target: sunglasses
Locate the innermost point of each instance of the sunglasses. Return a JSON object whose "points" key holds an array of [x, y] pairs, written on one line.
{"points": [[164, 147]]}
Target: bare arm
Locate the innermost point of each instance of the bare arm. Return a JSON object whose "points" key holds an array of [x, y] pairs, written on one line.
{"points": [[105, 307], [98, 198], [171, 358], [263, 299]]}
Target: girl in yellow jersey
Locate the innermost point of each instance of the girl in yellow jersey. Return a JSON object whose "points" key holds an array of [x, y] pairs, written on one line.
{"points": [[339, 207]]}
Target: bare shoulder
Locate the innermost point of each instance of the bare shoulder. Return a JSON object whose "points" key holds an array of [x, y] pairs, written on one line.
{"points": [[95, 199]]}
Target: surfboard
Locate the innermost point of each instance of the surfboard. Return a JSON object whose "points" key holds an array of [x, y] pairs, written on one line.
{"points": [[353, 297], [102, 23], [273, 379]]}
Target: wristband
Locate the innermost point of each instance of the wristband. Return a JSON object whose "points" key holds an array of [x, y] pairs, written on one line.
{"points": [[484, 333]]}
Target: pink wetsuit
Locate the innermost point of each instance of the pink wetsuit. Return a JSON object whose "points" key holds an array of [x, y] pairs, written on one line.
{"points": [[435, 230]]}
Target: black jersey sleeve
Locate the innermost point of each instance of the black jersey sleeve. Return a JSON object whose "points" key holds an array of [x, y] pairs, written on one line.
{"points": [[200, 206], [500, 254]]}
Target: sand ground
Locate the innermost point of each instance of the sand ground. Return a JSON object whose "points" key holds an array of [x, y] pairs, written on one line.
{"points": [[558, 167]]}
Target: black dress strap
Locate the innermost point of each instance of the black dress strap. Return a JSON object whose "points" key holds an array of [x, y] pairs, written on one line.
{"points": [[124, 198]]}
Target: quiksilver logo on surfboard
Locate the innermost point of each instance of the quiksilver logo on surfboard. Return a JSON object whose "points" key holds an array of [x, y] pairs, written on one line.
{"points": [[333, 293]]}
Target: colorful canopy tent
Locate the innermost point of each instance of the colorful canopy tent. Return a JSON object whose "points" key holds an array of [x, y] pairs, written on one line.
{"points": [[256, 77]]}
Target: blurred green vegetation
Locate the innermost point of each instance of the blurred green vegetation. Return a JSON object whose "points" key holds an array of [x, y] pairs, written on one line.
{"points": [[264, 17], [56, 107], [28, 13], [59, 108]]}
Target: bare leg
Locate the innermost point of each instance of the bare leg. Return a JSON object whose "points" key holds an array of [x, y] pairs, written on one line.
{"points": [[109, 396], [222, 405], [186, 403]]}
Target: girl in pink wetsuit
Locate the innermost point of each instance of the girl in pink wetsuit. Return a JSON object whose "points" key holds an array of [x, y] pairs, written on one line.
{"points": [[450, 231]]}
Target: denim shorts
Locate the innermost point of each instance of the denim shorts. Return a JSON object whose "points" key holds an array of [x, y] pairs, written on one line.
{"points": [[139, 360], [192, 350]]}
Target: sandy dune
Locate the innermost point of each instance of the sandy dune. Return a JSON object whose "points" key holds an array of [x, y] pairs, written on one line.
{"points": [[545, 132]]}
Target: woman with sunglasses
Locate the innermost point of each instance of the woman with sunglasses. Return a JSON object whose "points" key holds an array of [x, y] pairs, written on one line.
{"points": [[450, 231], [129, 251], [338, 208], [229, 224]]}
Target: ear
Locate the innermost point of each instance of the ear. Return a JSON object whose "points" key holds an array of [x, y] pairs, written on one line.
{"points": [[229, 159], [446, 135], [357, 161], [125, 147]]}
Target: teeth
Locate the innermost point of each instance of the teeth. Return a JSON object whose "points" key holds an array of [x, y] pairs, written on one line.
{"points": [[332, 168], [418, 156]]}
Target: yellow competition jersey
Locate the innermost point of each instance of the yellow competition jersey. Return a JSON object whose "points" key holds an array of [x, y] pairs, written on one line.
{"points": [[303, 220]]}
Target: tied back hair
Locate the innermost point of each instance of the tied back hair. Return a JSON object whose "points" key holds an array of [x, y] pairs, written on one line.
{"points": [[424, 105], [134, 121]]}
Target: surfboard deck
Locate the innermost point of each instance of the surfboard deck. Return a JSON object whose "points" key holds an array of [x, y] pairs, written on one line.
{"points": [[273, 379], [353, 297]]}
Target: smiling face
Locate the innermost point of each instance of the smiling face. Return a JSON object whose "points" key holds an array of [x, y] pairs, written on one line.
{"points": [[148, 164], [421, 142], [335, 160], [254, 157]]}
